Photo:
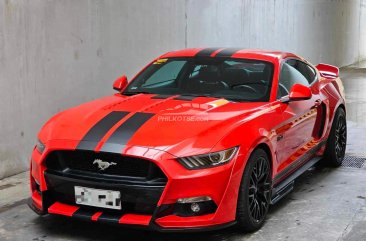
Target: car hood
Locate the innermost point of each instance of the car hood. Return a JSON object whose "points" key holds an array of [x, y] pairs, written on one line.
{"points": [[180, 127]]}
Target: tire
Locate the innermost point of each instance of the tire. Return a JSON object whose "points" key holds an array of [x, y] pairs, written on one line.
{"points": [[336, 145], [254, 196]]}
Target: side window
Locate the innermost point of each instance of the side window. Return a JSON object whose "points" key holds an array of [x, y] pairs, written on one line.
{"points": [[195, 71], [288, 77], [167, 72], [307, 71]]}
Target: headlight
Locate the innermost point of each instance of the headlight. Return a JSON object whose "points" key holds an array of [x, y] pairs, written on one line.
{"points": [[40, 146], [208, 160]]}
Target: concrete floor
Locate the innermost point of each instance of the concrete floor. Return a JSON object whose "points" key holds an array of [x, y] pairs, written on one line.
{"points": [[326, 204]]}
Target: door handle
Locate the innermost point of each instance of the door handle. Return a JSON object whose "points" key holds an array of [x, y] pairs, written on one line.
{"points": [[317, 103]]}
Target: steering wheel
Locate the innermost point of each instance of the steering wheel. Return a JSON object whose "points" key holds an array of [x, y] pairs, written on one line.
{"points": [[250, 88], [222, 83], [226, 86]]}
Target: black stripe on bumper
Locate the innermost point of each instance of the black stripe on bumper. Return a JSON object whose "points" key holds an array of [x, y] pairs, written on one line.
{"points": [[109, 217], [83, 214]]}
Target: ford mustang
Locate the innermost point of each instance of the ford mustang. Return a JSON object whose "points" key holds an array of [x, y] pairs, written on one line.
{"points": [[200, 139]]}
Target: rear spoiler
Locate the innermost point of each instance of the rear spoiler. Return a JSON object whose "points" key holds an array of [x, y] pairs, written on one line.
{"points": [[328, 71]]}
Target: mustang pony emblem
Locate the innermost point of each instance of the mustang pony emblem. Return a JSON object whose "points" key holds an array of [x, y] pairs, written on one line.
{"points": [[103, 165]]}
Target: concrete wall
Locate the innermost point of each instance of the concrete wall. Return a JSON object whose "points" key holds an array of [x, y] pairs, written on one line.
{"points": [[320, 30], [362, 30], [57, 54]]}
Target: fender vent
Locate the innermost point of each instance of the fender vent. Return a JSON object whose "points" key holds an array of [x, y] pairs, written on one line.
{"points": [[353, 161]]}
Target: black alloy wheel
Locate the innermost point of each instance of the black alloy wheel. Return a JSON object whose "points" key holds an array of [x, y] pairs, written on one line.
{"points": [[254, 192], [337, 141], [341, 137], [259, 190]]}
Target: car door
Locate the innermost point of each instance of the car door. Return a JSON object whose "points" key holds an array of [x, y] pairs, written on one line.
{"points": [[297, 132]]}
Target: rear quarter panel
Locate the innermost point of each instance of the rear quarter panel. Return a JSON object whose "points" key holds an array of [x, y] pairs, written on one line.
{"points": [[333, 90]]}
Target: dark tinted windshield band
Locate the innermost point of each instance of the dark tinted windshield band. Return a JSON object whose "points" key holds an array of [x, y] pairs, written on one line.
{"points": [[228, 52]]}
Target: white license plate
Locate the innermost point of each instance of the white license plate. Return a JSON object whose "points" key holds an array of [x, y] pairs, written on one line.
{"points": [[98, 198]]}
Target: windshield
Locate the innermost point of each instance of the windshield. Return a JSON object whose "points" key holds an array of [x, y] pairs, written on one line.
{"points": [[233, 79]]}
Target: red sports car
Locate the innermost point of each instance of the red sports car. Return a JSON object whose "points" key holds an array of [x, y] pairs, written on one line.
{"points": [[199, 139]]}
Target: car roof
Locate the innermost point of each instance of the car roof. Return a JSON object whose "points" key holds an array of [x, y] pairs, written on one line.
{"points": [[260, 54]]}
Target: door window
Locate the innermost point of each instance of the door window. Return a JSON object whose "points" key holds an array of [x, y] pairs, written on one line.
{"points": [[288, 77], [306, 70]]}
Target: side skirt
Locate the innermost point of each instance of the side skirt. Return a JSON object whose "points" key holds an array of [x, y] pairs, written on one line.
{"points": [[284, 187]]}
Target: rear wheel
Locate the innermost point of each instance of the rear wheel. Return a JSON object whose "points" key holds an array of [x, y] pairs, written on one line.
{"points": [[254, 193], [337, 140]]}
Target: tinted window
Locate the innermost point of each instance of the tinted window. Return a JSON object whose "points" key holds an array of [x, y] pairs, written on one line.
{"points": [[168, 72], [235, 79], [288, 77], [307, 71]]}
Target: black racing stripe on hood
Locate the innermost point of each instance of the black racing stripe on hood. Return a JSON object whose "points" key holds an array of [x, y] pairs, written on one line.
{"points": [[228, 52], [124, 132], [206, 52], [96, 133]]}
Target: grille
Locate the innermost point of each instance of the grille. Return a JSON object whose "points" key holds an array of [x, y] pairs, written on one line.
{"points": [[142, 198], [353, 161], [140, 182], [84, 161]]}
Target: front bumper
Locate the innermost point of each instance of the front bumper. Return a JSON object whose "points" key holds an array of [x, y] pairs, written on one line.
{"points": [[129, 221], [219, 183]]}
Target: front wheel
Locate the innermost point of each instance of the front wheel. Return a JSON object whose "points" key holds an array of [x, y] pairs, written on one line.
{"points": [[254, 193], [337, 140]]}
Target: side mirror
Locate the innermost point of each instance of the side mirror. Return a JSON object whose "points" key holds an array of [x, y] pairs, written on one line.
{"points": [[120, 83], [300, 92], [297, 92]]}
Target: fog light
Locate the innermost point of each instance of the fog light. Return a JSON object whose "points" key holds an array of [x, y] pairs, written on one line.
{"points": [[195, 207], [194, 199]]}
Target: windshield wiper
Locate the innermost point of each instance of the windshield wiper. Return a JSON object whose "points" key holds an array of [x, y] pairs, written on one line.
{"points": [[196, 95], [231, 98], [215, 96], [135, 92]]}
